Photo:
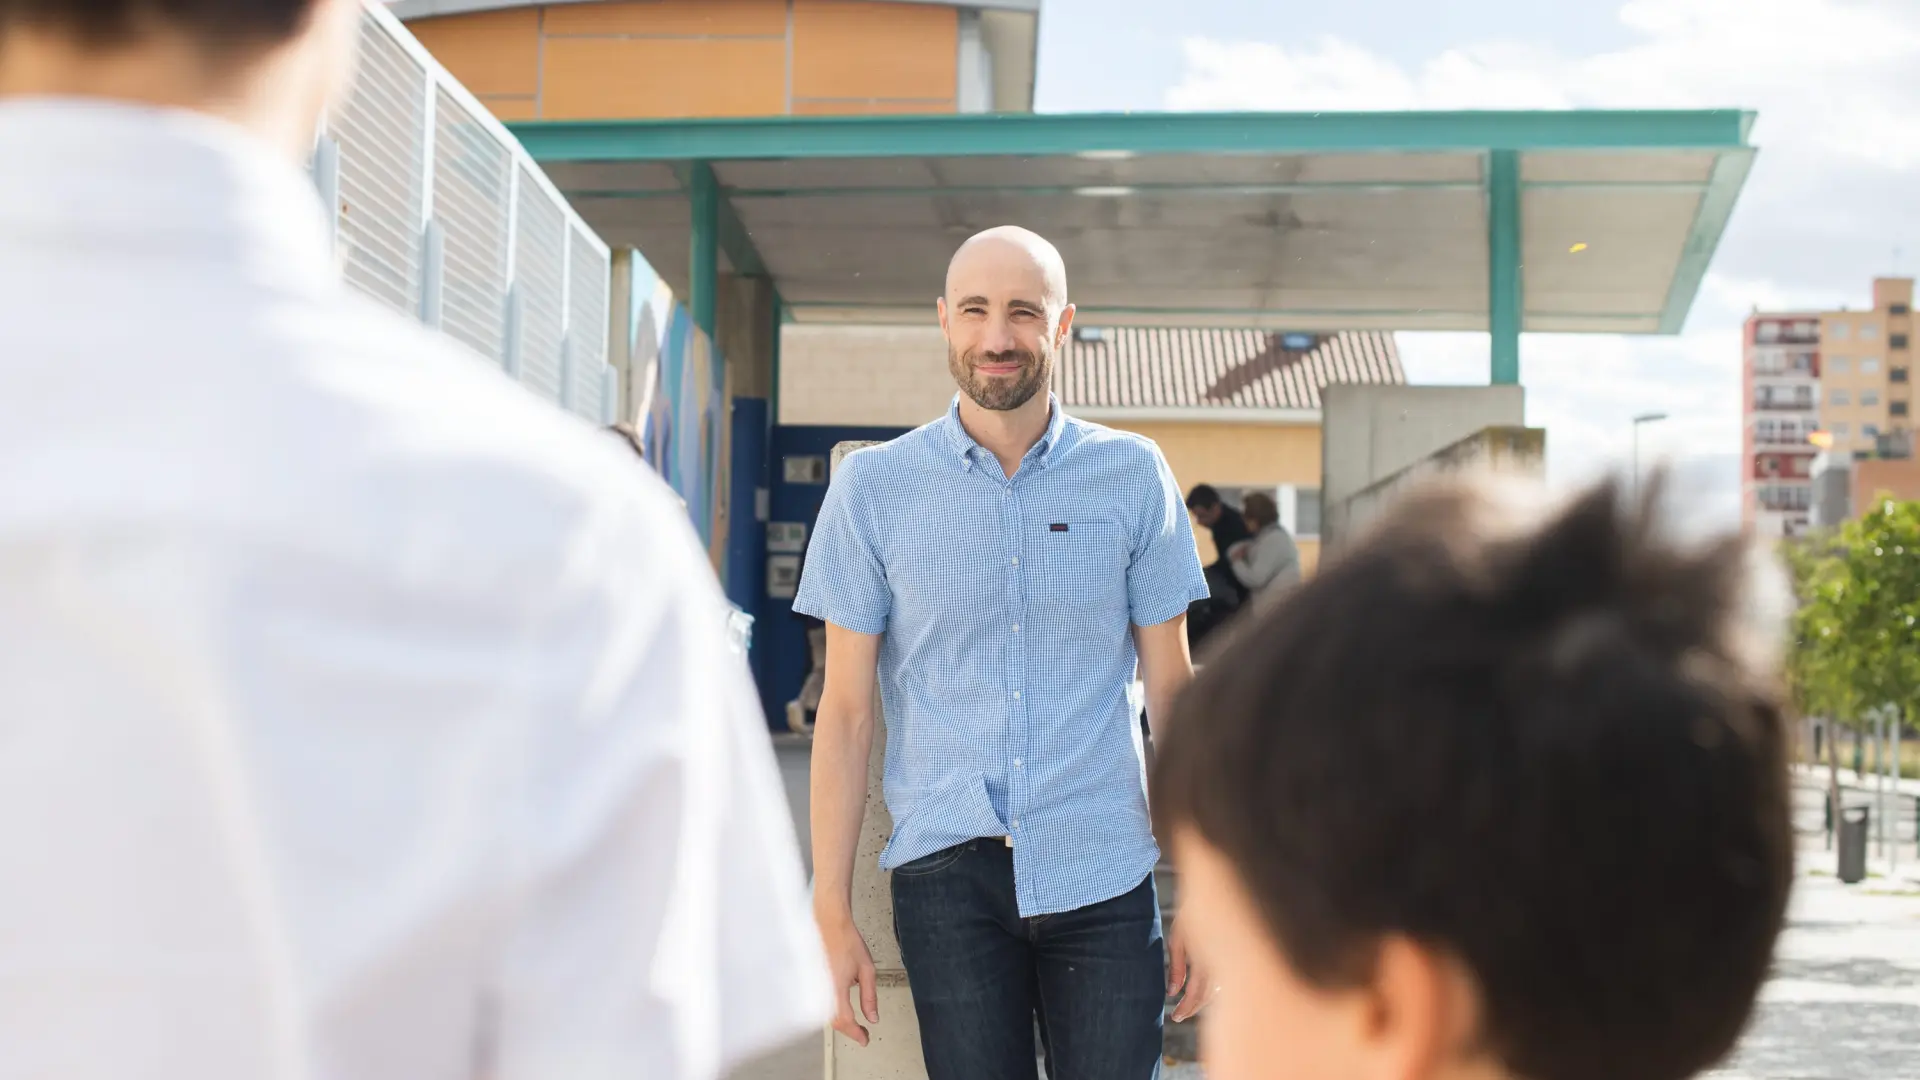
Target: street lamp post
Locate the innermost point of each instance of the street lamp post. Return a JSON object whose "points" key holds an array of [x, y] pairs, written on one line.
{"points": [[1643, 418]]}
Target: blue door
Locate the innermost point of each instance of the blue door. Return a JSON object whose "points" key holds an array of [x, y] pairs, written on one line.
{"points": [[780, 636]]}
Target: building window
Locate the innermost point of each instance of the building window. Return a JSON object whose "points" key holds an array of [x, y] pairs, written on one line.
{"points": [[1839, 431], [1838, 365], [1897, 341], [1838, 331], [1897, 408], [1897, 374], [1767, 331], [1869, 333], [1306, 512], [1839, 397], [1869, 365], [1870, 431], [1869, 397], [1898, 309]]}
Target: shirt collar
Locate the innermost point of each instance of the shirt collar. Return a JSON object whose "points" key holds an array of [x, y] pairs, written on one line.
{"points": [[1042, 452], [143, 182]]}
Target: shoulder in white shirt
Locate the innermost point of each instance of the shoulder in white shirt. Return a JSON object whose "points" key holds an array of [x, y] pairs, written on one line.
{"points": [[364, 718]]}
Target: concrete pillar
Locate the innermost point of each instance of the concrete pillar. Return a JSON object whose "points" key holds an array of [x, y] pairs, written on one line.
{"points": [[620, 340], [893, 1051], [744, 331]]}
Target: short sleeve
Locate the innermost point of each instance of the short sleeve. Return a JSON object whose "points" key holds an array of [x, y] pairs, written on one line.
{"points": [[663, 927], [844, 582], [1164, 575]]}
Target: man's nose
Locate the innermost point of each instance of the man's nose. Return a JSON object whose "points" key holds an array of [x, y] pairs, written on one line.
{"points": [[1000, 337]]}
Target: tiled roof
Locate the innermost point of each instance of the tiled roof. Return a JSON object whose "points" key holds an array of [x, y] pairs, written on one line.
{"points": [[1127, 367]]}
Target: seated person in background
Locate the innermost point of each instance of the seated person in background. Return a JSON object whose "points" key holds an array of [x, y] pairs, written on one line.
{"points": [[1493, 795], [1269, 563], [1227, 528], [1225, 523]]}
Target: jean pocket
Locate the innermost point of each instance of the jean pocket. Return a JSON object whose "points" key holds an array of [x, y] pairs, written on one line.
{"points": [[932, 864]]}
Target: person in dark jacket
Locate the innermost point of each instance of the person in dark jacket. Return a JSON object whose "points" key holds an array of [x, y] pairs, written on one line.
{"points": [[1228, 528]]}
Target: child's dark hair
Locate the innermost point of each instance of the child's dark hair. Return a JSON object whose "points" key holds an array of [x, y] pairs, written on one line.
{"points": [[1554, 750]]}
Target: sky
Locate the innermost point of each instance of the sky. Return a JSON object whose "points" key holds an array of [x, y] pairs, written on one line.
{"points": [[1833, 200]]}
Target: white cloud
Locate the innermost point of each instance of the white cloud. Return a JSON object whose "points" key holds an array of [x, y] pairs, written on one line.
{"points": [[1837, 88]]}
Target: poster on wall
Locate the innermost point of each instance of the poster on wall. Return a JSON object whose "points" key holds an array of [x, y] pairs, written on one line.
{"points": [[681, 399]]}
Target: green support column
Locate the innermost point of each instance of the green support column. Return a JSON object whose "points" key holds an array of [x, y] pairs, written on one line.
{"points": [[703, 284], [1504, 295]]}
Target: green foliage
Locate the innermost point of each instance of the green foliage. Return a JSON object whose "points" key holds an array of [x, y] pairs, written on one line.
{"points": [[1857, 627]]}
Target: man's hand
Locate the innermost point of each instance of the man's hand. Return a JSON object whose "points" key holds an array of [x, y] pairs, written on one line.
{"points": [[852, 966], [1183, 972]]}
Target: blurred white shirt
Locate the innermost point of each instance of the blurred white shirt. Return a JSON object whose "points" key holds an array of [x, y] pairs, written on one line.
{"points": [[361, 717]]}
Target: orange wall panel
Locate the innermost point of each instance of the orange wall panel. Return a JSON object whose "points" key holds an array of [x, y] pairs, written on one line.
{"points": [[492, 52], [852, 50], [815, 107], [673, 18], [603, 78], [511, 108]]}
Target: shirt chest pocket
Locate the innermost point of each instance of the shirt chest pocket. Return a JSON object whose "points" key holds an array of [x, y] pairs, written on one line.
{"points": [[1079, 566]]}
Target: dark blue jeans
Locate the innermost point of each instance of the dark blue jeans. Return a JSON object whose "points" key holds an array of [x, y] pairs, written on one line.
{"points": [[1094, 977]]}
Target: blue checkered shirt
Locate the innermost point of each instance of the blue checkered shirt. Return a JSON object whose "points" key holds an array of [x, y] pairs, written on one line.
{"points": [[1007, 609]]}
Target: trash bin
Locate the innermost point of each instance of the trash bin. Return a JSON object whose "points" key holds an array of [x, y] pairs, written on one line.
{"points": [[1853, 845]]}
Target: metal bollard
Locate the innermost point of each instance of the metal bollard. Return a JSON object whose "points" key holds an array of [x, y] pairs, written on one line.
{"points": [[1853, 844]]}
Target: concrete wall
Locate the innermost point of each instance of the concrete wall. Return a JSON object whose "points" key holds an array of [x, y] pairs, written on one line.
{"points": [[1507, 450], [1369, 433], [688, 58], [893, 1051]]}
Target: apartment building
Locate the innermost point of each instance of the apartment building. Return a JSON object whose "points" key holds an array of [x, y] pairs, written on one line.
{"points": [[1813, 380]]}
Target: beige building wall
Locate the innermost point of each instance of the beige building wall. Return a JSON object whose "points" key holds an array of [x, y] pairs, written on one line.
{"points": [[1866, 367], [878, 376], [1237, 455]]}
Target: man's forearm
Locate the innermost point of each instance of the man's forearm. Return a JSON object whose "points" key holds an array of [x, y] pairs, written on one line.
{"points": [[1160, 700], [842, 742]]}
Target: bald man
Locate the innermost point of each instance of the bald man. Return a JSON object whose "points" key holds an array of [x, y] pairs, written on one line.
{"points": [[1000, 575]]}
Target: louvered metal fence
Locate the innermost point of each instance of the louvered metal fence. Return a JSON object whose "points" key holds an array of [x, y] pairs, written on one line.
{"points": [[443, 217]]}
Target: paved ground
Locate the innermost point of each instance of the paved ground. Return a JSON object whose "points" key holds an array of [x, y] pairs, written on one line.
{"points": [[1844, 1003]]}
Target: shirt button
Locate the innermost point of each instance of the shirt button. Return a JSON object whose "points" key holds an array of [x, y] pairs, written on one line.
{"points": [[1016, 560], [1016, 695], [1019, 764], [1016, 628], [1016, 823]]}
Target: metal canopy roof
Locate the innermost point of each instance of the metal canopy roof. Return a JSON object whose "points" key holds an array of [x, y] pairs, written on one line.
{"points": [[1548, 221]]}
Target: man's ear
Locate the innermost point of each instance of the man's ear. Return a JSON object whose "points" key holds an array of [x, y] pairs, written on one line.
{"points": [[940, 310], [1066, 326]]}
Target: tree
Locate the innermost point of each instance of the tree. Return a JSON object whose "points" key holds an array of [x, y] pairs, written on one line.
{"points": [[1857, 627]]}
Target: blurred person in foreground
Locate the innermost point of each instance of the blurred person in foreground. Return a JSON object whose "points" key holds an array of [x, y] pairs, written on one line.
{"points": [[1000, 575], [1267, 564], [363, 717], [1495, 795]]}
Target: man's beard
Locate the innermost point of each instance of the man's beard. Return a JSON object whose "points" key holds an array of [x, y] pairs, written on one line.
{"points": [[1002, 393]]}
